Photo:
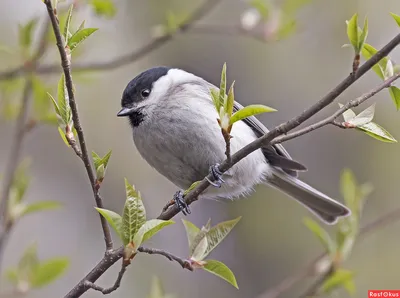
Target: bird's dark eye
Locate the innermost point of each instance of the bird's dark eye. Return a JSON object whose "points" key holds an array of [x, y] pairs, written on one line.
{"points": [[145, 93]]}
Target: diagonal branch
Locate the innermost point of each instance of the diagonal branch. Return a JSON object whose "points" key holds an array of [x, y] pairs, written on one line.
{"points": [[331, 119], [109, 290], [77, 124], [154, 251]]}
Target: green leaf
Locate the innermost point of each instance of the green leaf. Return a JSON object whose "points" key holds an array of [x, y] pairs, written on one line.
{"points": [[134, 215], [104, 8], [215, 97], [191, 187], [78, 37], [25, 34], [55, 104], [337, 279], [20, 182], [149, 229], [348, 114], [364, 117], [200, 248], [222, 87], [352, 32], [218, 233], [396, 18], [63, 137], [290, 7], [364, 34], [377, 132], [98, 161], [67, 32], [395, 94], [114, 219], [321, 234], [49, 271], [230, 99], [221, 270], [191, 231], [250, 111], [40, 206], [368, 51], [63, 101]]}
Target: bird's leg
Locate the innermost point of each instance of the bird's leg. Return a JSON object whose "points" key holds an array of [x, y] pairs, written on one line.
{"points": [[180, 202], [217, 175]]}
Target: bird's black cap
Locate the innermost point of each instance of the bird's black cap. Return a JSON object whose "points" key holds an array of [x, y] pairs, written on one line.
{"points": [[145, 80]]}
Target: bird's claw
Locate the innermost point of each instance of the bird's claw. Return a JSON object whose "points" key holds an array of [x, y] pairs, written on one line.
{"points": [[217, 175], [180, 203]]}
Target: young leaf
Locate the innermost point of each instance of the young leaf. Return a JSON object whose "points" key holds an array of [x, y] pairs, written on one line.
{"points": [[149, 229], [63, 102], [98, 161], [40, 100], [78, 37], [230, 100], [191, 187], [40, 206], [396, 18], [377, 132], [250, 111], [114, 219], [104, 8], [12, 276], [56, 107], [352, 32], [67, 33], [364, 34], [221, 270], [200, 248], [191, 231], [364, 117], [222, 87], [263, 7], [321, 234], [198, 238], [215, 97], [134, 215], [337, 279], [49, 271], [395, 94], [368, 51], [63, 137], [347, 115], [217, 233]]}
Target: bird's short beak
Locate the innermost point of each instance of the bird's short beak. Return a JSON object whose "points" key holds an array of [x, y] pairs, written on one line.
{"points": [[125, 112]]}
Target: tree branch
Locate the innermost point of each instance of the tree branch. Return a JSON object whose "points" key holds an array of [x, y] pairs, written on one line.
{"points": [[77, 124], [184, 263], [331, 119], [109, 290]]}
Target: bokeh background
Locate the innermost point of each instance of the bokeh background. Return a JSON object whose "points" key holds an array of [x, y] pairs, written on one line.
{"points": [[270, 242]]}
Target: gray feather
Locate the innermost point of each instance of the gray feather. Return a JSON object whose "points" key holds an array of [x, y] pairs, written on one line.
{"points": [[320, 204]]}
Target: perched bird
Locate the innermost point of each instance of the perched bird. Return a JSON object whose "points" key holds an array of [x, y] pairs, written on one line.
{"points": [[175, 130]]}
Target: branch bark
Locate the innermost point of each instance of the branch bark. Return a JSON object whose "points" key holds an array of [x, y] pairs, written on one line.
{"points": [[153, 251]]}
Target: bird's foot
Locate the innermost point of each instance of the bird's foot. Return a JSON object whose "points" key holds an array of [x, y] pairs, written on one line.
{"points": [[217, 175], [180, 202]]}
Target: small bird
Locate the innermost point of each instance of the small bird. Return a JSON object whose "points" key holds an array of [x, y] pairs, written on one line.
{"points": [[175, 130]]}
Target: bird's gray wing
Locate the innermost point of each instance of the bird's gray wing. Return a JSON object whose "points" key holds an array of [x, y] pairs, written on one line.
{"points": [[276, 154]]}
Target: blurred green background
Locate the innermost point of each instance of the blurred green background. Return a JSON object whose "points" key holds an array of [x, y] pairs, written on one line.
{"points": [[270, 242]]}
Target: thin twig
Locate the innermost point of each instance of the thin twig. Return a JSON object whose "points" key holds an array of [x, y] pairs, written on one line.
{"points": [[109, 290], [316, 285], [77, 124], [154, 251], [331, 119]]}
